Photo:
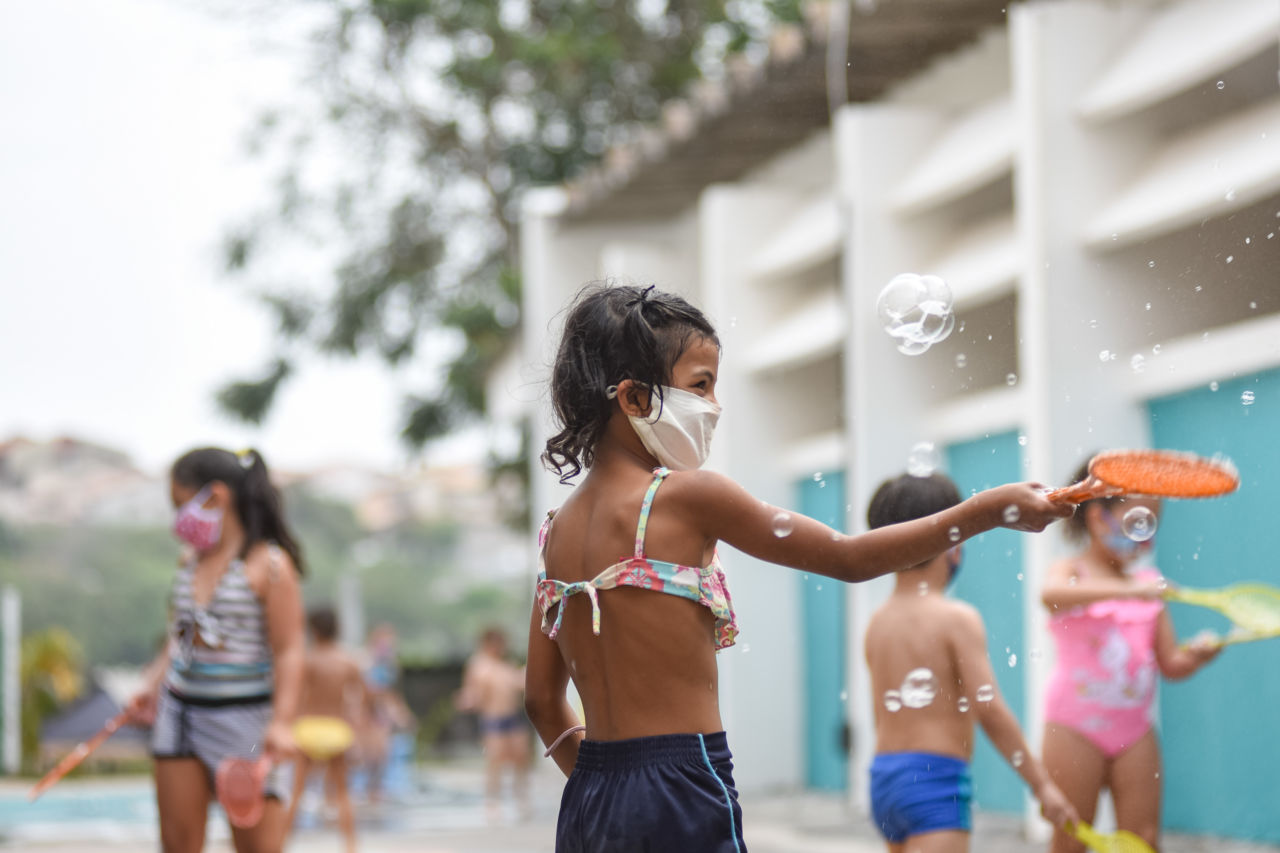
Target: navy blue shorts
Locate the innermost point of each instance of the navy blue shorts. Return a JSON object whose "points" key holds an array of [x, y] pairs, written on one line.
{"points": [[917, 792], [662, 794]]}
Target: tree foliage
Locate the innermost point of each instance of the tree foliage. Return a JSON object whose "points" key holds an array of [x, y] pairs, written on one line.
{"points": [[403, 163]]}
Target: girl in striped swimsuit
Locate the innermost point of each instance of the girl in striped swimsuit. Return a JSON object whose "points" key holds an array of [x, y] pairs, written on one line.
{"points": [[227, 683]]}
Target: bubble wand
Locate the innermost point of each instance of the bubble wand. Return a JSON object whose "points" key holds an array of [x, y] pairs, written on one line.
{"points": [[1156, 473]]}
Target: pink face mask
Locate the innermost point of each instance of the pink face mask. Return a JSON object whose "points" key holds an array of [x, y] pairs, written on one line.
{"points": [[199, 527]]}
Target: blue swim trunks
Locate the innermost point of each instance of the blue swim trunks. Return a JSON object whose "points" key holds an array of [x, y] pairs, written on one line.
{"points": [[661, 794], [917, 792]]}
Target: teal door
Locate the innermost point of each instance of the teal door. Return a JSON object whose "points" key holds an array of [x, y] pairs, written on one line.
{"points": [[990, 579], [1218, 729], [822, 617]]}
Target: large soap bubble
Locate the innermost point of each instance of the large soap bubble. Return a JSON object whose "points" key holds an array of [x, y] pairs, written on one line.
{"points": [[916, 310]]}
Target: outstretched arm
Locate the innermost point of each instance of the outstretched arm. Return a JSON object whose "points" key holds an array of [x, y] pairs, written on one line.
{"points": [[730, 514], [545, 698], [1064, 589], [1178, 662], [999, 723]]}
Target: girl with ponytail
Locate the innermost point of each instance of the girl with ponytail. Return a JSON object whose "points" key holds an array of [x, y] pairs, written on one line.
{"points": [[226, 684]]}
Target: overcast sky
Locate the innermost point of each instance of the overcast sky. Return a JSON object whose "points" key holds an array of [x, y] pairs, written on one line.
{"points": [[121, 164]]}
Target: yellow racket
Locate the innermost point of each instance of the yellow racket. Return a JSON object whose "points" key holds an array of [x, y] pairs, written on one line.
{"points": [[1253, 607], [1115, 842]]}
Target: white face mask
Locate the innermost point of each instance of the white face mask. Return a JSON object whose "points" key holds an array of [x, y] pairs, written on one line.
{"points": [[680, 437]]}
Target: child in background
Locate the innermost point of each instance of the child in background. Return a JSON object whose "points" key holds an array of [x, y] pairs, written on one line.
{"points": [[931, 678], [493, 687], [227, 683], [333, 699], [1114, 638], [631, 602]]}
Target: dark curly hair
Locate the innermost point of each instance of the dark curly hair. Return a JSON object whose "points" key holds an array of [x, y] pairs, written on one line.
{"points": [[257, 501], [1075, 529], [907, 497], [612, 333]]}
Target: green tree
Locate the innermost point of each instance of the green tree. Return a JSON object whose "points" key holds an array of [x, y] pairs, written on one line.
{"points": [[441, 112], [50, 675]]}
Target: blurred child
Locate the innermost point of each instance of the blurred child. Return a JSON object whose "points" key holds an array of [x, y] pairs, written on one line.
{"points": [[930, 678], [493, 687], [386, 713], [631, 602], [227, 683], [1114, 638], [333, 699]]}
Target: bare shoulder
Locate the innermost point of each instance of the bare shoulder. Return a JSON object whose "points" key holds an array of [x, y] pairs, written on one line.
{"points": [[961, 617], [267, 564], [697, 486]]}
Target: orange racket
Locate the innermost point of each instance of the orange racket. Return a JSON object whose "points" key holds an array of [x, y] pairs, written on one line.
{"points": [[80, 753], [1157, 473], [239, 783]]}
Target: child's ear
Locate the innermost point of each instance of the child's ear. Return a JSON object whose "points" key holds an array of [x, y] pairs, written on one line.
{"points": [[633, 399]]}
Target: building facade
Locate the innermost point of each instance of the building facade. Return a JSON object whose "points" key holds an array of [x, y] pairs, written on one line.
{"points": [[1099, 183]]}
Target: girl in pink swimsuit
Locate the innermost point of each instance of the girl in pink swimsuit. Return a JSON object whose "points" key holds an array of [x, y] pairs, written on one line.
{"points": [[1113, 638]]}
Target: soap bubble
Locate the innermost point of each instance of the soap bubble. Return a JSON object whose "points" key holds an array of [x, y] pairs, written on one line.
{"points": [[961, 360], [1017, 758], [1013, 660], [1222, 84], [1137, 362], [923, 588], [1246, 399], [954, 534], [1139, 524], [985, 693], [783, 524], [892, 701], [962, 704], [1213, 386], [1011, 514], [1011, 379], [919, 688], [923, 459], [916, 310]]}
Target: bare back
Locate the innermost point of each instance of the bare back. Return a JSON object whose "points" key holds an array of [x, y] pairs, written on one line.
{"points": [[909, 633], [331, 682], [652, 669]]}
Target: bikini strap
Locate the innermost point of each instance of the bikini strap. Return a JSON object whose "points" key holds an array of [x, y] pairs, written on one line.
{"points": [[659, 474]]}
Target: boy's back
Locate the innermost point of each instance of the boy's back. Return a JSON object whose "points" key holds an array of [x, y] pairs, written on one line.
{"points": [[332, 682], [922, 702]]}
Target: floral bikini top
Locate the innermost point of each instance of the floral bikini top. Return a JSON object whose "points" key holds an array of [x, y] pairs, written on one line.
{"points": [[706, 585]]}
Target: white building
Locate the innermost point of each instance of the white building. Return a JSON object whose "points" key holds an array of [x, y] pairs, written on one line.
{"points": [[1099, 182]]}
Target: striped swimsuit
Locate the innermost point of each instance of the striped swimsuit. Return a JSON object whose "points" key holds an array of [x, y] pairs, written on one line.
{"points": [[216, 699]]}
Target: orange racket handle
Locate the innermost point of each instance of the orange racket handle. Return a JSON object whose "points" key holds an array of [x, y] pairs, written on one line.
{"points": [[1085, 490], [77, 755]]}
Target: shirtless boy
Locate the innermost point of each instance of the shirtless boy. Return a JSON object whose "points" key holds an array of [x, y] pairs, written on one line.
{"points": [[333, 692], [493, 687], [931, 677]]}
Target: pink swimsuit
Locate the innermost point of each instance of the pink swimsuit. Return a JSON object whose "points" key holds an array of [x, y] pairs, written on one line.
{"points": [[1105, 679]]}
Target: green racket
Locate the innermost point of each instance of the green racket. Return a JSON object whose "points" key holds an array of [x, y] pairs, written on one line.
{"points": [[1115, 842], [1254, 608]]}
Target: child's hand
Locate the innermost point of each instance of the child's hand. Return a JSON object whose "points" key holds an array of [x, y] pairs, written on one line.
{"points": [[1204, 647], [1023, 506], [278, 743], [1054, 805]]}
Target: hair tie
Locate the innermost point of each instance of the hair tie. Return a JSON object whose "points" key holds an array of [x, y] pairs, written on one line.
{"points": [[245, 457], [643, 298]]}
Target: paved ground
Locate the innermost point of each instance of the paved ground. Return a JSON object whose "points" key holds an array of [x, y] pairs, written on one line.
{"points": [[446, 815]]}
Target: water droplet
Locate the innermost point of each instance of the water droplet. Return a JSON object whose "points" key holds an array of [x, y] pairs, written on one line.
{"points": [[1230, 196], [1246, 399], [1022, 440], [1019, 575], [1138, 363], [892, 701], [954, 534], [1139, 524], [961, 360], [818, 588], [1253, 306], [1011, 514], [844, 695], [1105, 355], [1151, 264], [985, 693], [817, 476], [919, 688], [783, 524], [1155, 350], [1213, 386], [1148, 306], [1248, 240], [923, 459], [917, 310], [1017, 758], [746, 648], [1230, 258], [1222, 85], [923, 588], [1013, 660], [962, 704]]}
